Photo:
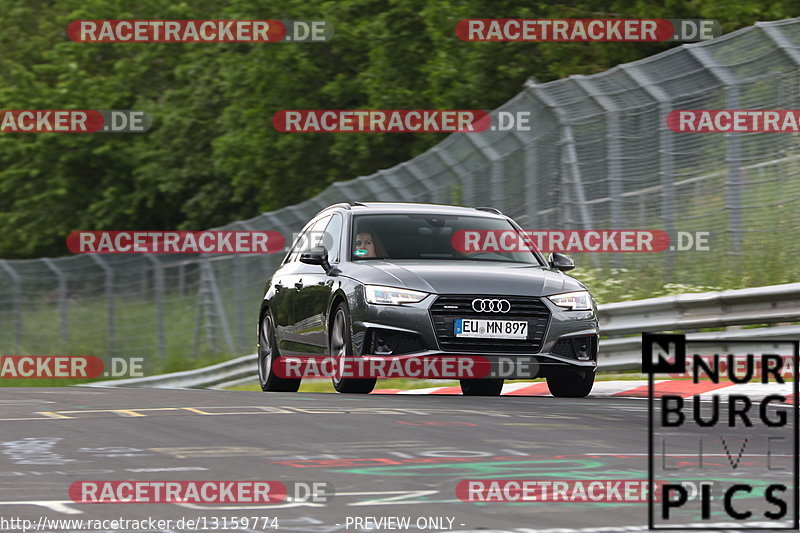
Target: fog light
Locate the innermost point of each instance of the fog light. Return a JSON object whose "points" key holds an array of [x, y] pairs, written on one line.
{"points": [[387, 342], [380, 347], [583, 351]]}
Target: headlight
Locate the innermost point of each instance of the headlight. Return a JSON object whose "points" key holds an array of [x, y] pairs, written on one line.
{"points": [[378, 294], [576, 301]]}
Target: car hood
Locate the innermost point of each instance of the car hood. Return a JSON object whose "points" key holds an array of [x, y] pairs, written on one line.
{"points": [[467, 277]]}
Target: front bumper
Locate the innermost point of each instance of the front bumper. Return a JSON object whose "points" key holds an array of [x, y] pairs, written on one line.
{"points": [[411, 330]]}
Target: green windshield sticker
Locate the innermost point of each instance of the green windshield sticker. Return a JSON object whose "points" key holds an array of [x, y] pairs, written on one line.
{"points": [[360, 252]]}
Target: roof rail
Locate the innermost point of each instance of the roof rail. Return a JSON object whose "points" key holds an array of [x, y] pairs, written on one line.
{"points": [[360, 204], [490, 210], [343, 205]]}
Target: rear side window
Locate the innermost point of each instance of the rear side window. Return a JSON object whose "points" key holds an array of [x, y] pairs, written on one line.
{"points": [[332, 238], [309, 238]]}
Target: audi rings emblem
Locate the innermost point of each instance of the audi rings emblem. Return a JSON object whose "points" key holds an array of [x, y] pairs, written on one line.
{"points": [[493, 305]]}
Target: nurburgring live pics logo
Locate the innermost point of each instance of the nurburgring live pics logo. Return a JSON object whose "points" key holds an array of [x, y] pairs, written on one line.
{"points": [[756, 469]]}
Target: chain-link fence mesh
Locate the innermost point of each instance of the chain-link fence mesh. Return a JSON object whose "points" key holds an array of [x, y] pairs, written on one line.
{"points": [[598, 155]]}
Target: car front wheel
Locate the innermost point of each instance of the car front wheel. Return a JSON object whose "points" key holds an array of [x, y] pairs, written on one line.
{"points": [[341, 347], [267, 355]]}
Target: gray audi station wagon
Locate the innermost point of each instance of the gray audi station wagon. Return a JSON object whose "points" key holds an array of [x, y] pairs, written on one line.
{"points": [[384, 279]]}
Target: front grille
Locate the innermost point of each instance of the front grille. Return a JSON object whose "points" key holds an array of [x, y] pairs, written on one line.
{"points": [[447, 308]]}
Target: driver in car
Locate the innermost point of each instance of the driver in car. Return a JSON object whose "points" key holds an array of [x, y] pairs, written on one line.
{"points": [[367, 246]]}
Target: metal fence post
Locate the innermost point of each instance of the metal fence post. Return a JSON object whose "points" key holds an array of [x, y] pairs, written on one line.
{"points": [[109, 293], [613, 153], [733, 157], [569, 156], [466, 193], [571, 161], [62, 299], [16, 303], [158, 296], [666, 150], [531, 181], [779, 38], [421, 179], [182, 279], [216, 303], [239, 298], [495, 164]]}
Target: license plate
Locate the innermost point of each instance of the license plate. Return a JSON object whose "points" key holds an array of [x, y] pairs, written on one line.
{"points": [[491, 329]]}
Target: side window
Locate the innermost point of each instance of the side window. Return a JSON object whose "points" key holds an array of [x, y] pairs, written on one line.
{"points": [[332, 239], [310, 237], [292, 255]]}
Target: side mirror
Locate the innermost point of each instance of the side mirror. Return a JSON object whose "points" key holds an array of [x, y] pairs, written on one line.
{"points": [[561, 262], [317, 255]]}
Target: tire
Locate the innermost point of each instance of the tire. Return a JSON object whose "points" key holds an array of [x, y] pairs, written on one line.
{"points": [[570, 384], [340, 345], [481, 387], [267, 354]]}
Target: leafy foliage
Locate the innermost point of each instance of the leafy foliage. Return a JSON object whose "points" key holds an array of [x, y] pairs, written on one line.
{"points": [[212, 156]]}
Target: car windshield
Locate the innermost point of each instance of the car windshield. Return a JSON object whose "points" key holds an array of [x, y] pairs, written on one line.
{"points": [[431, 236]]}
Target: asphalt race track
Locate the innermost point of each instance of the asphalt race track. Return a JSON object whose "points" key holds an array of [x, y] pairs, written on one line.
{"points": [[391, 455]]}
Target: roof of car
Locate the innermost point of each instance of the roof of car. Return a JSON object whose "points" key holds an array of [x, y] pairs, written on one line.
{"points": [[403, 208]]}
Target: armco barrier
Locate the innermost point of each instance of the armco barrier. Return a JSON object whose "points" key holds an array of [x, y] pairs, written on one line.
{"points": [[223, 374], [774, 304]]}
